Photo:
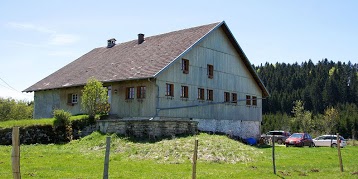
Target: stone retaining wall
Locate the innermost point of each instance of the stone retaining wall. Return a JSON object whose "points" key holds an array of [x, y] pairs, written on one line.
{"points": [[242, 129], [148, 128]]}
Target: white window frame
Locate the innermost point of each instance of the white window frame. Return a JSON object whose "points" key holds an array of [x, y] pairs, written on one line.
{"points": [[74, 99]]}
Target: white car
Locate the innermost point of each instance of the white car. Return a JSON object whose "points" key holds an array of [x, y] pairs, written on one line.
{"points": [[329, 141]]}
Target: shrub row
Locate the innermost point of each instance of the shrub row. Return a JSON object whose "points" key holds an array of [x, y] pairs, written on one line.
{"points": [[45, 134]]}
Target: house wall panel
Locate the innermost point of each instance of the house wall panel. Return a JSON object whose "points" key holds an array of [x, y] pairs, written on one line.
{"points": [[74, 109], [133, 107], [230, 75], [46, 102]]}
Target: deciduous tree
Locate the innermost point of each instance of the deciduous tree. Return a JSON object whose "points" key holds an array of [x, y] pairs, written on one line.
{"points": [[94, 95]]}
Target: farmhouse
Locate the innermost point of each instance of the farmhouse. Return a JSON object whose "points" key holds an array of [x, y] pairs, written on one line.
{"points": [[199, 74]]}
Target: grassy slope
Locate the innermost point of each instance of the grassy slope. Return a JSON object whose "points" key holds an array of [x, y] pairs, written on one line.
{"points": [[218, 157]]}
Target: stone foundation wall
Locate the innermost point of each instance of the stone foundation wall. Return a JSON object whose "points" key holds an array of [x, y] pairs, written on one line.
{"points": [[148, 128], [243, 129]]}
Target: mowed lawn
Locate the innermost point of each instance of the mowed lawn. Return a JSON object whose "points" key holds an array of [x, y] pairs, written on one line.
{"points": [[218, 157]]}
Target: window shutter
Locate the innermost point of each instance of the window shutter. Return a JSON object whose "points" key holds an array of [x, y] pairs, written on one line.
{"points": [[171, 90], [139, 92], [127, 93], [187, 66], [186, 92], [69, 98]]}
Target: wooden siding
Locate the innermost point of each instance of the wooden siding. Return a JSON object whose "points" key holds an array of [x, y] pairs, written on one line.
{"points": [[230, 75], [133, 107], [48, 100]]}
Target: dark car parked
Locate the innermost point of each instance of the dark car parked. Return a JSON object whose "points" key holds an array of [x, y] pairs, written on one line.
{"points": [[280, 136], [299, 140]]}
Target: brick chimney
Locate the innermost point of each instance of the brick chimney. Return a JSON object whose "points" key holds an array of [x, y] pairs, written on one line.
{"points": [[140, 38], [111, 42]]}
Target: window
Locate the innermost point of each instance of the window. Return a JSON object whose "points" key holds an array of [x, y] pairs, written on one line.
{"points": [[226, 97], [141, 90], [254, 100], [130, 93], [209, 95], [248, 100], [201, 93], [109, 94], [234, 98], [72, 98], [184, 92], [169, 90], [185, 66], [210, 71]]}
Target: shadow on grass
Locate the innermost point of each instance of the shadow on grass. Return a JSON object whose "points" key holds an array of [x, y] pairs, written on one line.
{"points": [[151, 139], [147, 139], [263, 146]]}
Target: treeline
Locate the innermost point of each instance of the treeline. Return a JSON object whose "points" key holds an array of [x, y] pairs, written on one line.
{"points": [[325, 84], [343, 119], [320, 87], [11, 109]]}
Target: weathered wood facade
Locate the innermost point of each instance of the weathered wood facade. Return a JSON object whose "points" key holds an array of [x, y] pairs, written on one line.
{"points": [[232, 80], [230, 75]]}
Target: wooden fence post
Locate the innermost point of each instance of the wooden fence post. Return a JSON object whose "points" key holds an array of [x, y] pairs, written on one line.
{"points": [[273, 154], [339, 152], [353, 137], [106, 158], [195, 157], [15, 155]]}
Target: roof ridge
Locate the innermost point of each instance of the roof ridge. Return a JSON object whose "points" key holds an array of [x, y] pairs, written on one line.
{"points": [[196, 27], [166, 33]]}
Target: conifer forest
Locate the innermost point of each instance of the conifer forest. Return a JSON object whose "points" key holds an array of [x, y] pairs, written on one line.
{"points": [[317, 98]]}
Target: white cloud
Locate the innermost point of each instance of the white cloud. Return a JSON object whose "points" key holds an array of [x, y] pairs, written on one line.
{"points": [[24, 44], [28, 26], [55, 38], [63, 39], [63, 53]]}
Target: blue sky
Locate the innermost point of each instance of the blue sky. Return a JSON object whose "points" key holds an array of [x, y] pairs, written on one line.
{"points": [[39, 37]]}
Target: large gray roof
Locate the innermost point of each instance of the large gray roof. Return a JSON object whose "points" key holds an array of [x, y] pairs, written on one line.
{"points": [[130, 60]]}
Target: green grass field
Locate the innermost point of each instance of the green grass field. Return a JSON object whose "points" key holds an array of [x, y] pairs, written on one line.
{"points": [[31, 122], [218, 157]]}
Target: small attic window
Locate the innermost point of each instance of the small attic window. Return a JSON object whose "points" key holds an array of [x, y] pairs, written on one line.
{"points": [[210, 71], [185, 66], [111, 43]]}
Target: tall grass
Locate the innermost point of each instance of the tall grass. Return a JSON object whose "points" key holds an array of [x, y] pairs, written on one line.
{"points": [[218, 157]]}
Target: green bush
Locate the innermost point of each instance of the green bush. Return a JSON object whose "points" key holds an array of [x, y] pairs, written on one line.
{"points": [[62, 118], [62, 125]]}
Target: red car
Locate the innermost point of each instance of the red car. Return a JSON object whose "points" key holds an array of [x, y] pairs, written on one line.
{"points": [[299, 140]]}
